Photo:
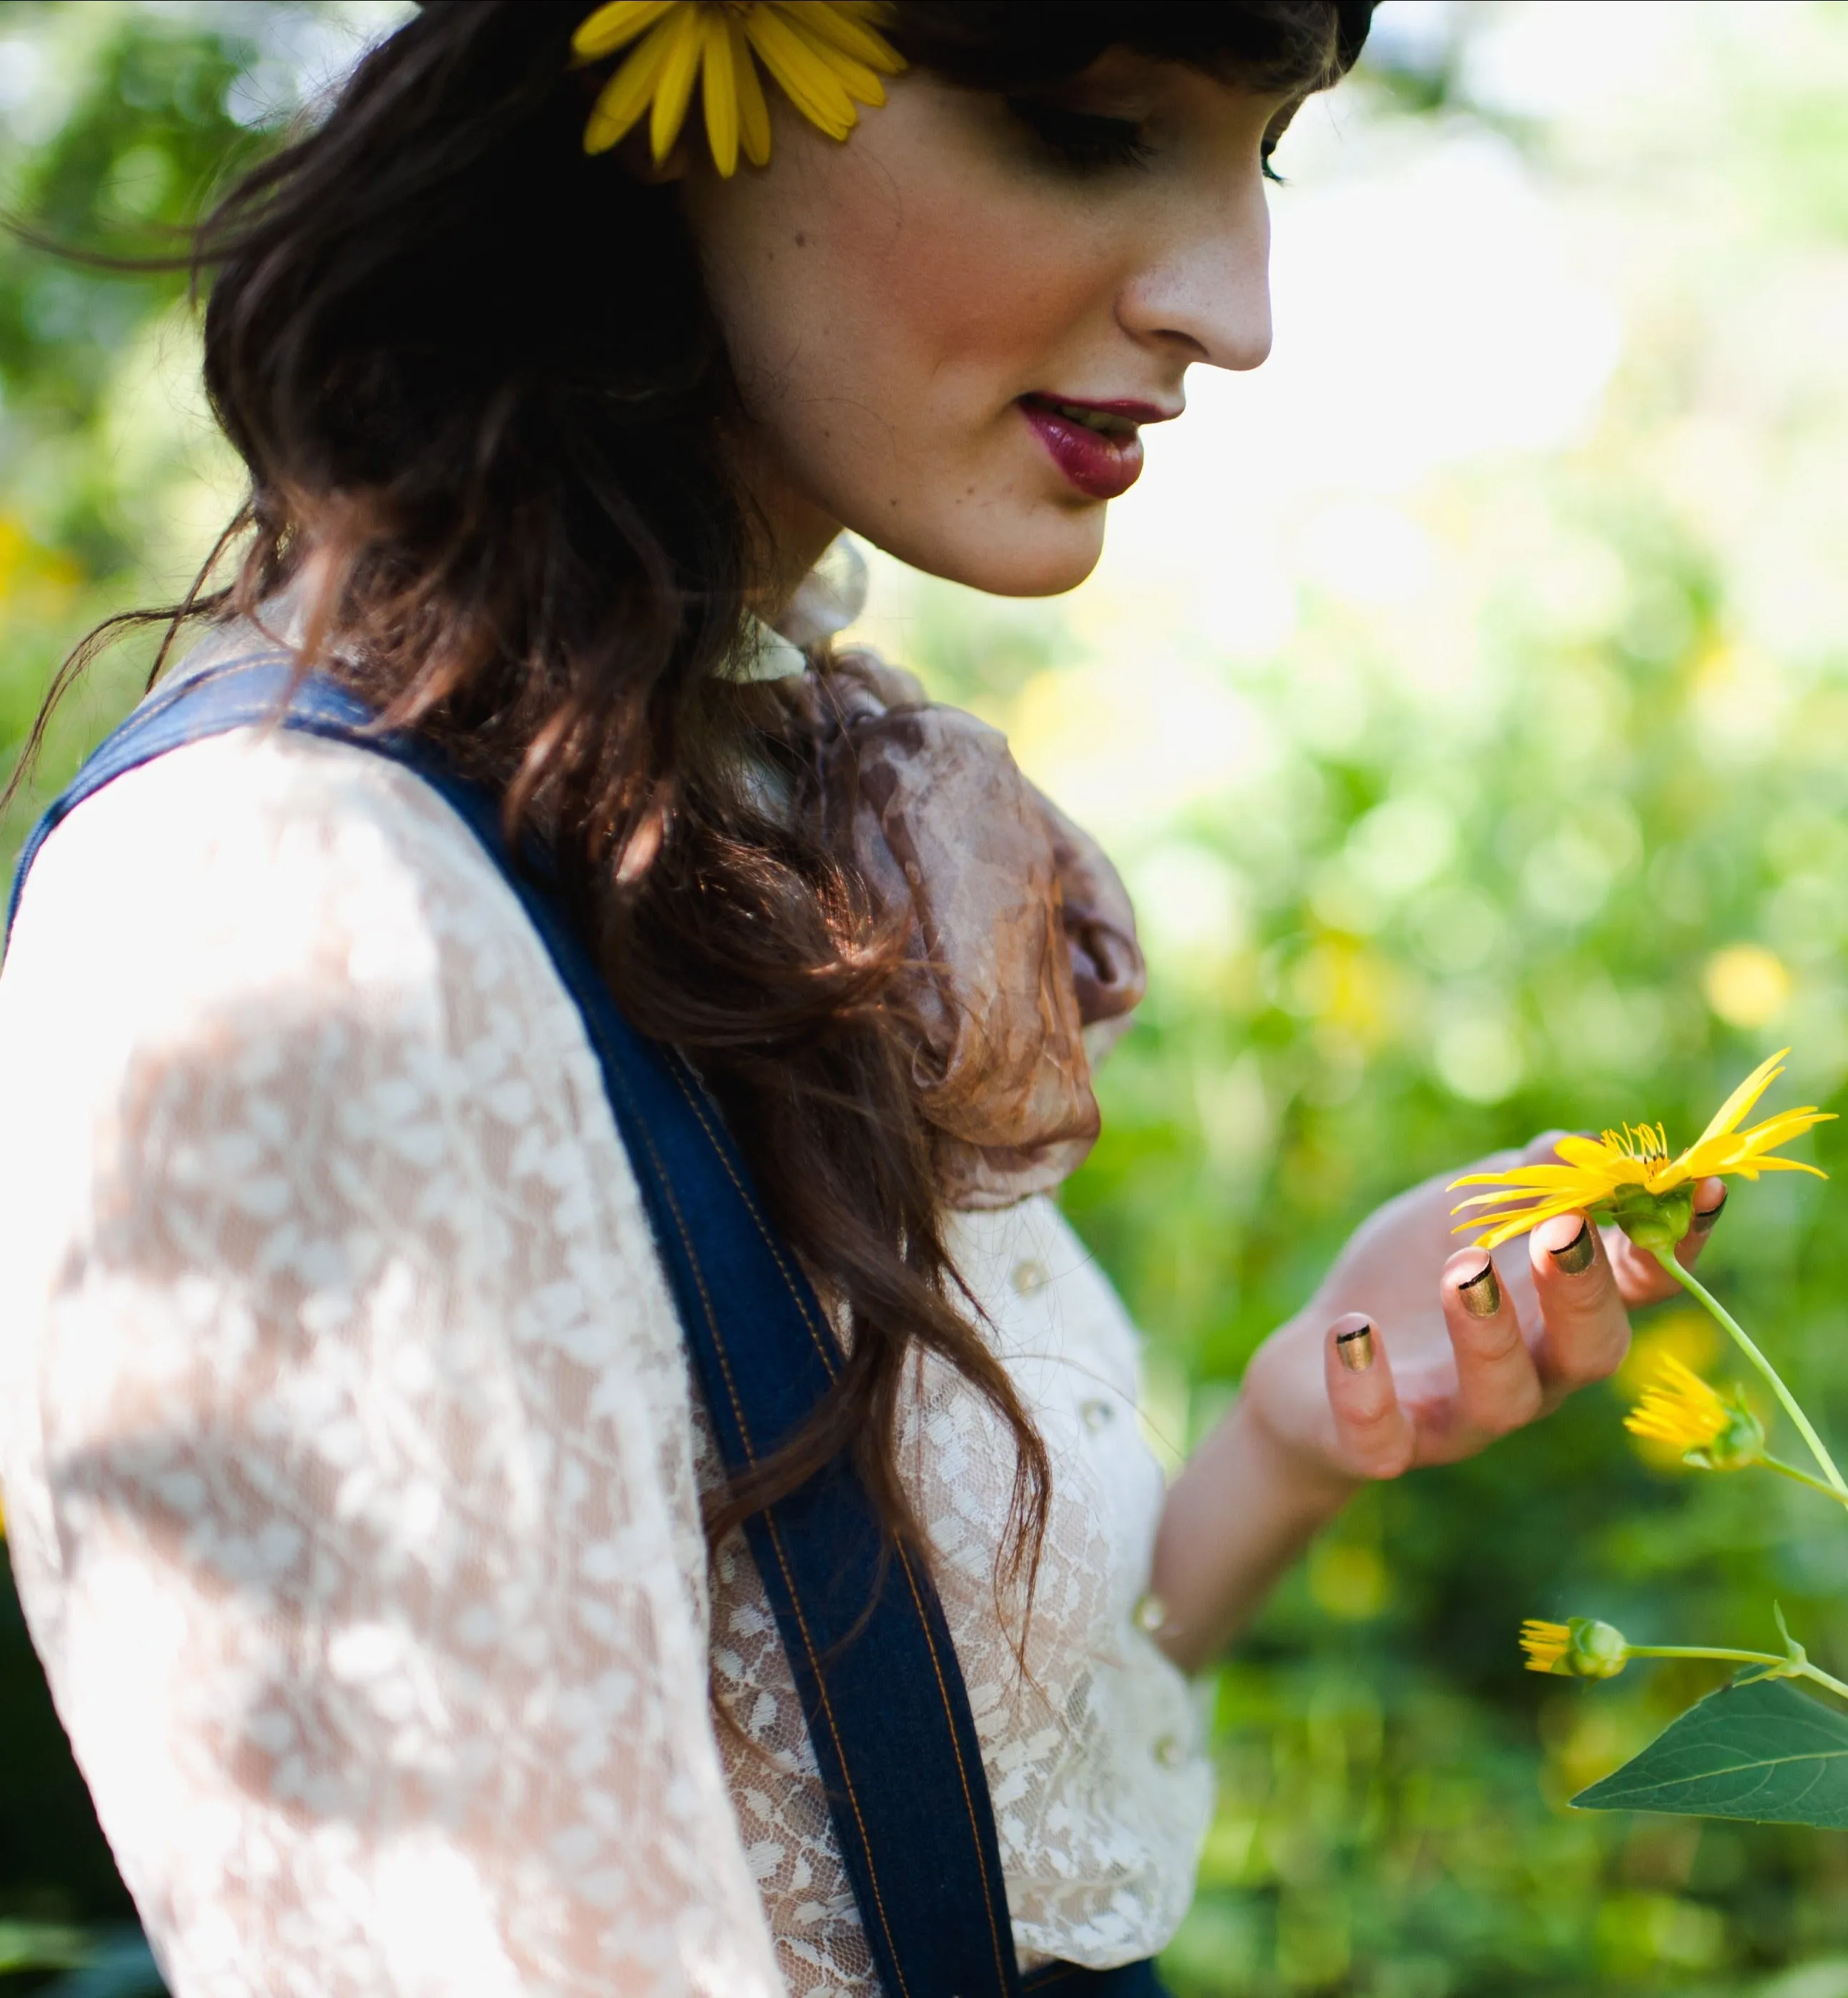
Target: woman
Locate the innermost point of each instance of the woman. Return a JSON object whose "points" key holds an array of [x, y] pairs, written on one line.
{"points": [[464, 1556]]}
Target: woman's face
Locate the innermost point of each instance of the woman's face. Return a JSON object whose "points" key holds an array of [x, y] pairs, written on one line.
{"points": [[948, 328]]}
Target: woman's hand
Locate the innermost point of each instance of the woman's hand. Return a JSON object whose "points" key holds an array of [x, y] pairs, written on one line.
{"points": [[1412, 1351]]}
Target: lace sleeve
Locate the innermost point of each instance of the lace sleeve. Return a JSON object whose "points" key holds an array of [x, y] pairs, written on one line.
{"points": [[344, 1423]]}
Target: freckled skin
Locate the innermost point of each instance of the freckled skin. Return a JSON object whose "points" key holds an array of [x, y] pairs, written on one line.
{"points": [[950, 264]]}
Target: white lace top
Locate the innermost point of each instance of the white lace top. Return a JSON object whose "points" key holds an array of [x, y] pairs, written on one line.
{"points": [[352, 1464]]}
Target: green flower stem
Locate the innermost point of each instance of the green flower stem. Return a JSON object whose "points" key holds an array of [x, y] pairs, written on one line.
{"points": [[1803, 1478], [1689, 1281], [1788, 1668]]}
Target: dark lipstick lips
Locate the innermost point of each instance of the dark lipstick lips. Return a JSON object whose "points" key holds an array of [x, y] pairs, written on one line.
{"points": [[1134, 413], [1102, 463]]}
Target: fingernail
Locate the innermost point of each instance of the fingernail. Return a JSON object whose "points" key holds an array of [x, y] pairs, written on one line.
{"points": [[1579, 1253], [1355, 1348], [1701, 1222], [1481, 1294]]}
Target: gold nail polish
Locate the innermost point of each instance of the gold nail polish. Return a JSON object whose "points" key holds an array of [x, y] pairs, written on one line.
{"points": [[1481, 1294], [1580, 1253], [1355, 1348], [1701, 1222]]}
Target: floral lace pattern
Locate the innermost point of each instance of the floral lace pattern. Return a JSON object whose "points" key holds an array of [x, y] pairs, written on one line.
{"points": [[353, 1466]]}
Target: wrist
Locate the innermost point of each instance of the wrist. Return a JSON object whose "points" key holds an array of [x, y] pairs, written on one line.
{"points": [[1240, 1512], [1303, 1481]]}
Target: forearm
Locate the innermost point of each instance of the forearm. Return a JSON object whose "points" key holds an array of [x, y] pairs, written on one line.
{"points": [[1235, 1519]]}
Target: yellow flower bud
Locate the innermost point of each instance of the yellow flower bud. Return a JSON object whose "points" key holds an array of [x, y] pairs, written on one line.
{"points": [[1713, 1432], [1581, 1648]]}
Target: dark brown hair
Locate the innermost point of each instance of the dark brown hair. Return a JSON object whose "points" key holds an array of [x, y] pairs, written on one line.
{"points": [[487, 417]]}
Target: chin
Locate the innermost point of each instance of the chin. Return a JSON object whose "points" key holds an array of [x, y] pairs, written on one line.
{"points": [[1031, 557]]}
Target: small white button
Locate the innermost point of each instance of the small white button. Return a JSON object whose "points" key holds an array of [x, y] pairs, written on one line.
{"points": [[1097, 1414], [1168, 1752], [1150, 1614], [1029, 1277]]}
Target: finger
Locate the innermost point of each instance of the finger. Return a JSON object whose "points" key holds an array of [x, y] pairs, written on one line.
{"points": [[1709, 1203], [1497, 1384], [1371, 1429], [1586, 1330], [1642, 1279]]}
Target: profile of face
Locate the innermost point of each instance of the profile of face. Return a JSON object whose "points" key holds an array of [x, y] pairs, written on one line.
{"points": [[949, 329]]}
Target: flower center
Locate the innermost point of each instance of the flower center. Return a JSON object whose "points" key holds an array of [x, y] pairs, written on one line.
{"points": [[1646, 1144]]}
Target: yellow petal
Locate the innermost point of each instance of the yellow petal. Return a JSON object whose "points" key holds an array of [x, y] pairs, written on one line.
{"points": [[855, 77], [1678, 1407], [614, 27], [1503, 1228], [838, 26], [685, 38], [1561, 1200], [1524, 1179], [626, 96], [1574, 1188], [1592, 1153], [805, 78], [1731, 1114], [1735, 1151], [719, 85], [753, 113], [1787, 1124], [1545, 1643]]}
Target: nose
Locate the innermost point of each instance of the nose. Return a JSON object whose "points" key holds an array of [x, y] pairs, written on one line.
{"points": [[1204, 294]]}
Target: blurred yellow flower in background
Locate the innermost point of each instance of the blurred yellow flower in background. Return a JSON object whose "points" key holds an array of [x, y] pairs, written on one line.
{"points": [[1746, 985], [1630, 1175], [1688, 1333], [1678, 1409], [824, 53]]}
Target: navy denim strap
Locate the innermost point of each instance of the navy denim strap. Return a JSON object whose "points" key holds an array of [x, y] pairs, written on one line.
{"points": [[867, 1643]]}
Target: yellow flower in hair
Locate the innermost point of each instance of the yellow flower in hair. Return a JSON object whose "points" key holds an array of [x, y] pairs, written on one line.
{"points": [[823, 54], [1678, 1409], [1630, 1177]]}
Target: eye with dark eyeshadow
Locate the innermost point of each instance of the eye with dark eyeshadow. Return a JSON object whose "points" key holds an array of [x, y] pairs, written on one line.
{"points": [[1085, 140]]}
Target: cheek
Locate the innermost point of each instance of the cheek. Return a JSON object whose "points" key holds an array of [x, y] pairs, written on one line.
{"points": [[966, 296], [916, 321], [885, 303]]}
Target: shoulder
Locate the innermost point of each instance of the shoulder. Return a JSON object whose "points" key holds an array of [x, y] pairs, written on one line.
{"points": [[265, 926], [275, 1028], [255, 824], [262, 861]]}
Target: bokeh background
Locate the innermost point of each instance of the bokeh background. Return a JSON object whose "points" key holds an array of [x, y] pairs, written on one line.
{"points": [[1465, 696]]}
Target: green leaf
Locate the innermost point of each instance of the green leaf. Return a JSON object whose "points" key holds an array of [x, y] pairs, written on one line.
{"points": [[1763, 1752]]}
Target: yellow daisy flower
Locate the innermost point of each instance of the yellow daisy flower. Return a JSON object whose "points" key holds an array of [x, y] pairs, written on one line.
{"points": [[824, 54], [1630, 1177], [1582, 1648], [1678, 1409]]}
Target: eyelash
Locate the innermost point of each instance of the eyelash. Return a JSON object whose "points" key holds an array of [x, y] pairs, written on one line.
{"points": [[1092, 143], [1083, 140]]}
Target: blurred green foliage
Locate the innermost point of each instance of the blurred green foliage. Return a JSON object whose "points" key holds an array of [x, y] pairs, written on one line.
{"points": [[1562, 841]]}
